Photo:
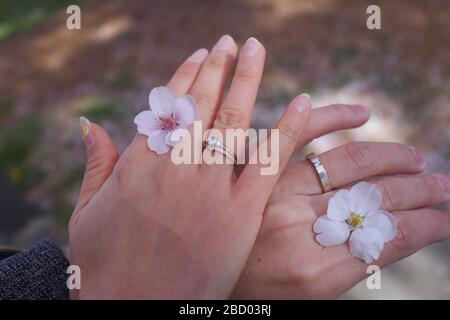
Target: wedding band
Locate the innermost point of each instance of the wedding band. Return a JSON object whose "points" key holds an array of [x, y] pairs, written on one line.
{"points": [[214, 144], [321, 172]]}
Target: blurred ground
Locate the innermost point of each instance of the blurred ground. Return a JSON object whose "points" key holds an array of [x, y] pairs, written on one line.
{"points": [[52, 75]]}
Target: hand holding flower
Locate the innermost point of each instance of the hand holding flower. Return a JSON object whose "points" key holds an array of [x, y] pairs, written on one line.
{"points": [[288, 260]]}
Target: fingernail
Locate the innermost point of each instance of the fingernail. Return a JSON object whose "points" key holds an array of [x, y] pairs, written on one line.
{"points": [[302, 102], [419, 156], [85, 125], [444, 182], [307, 96], [359, 109], [198, 56], [225, 43], [251, 47]]}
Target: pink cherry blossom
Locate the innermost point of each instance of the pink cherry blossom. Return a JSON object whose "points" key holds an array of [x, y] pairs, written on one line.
{"points": [[167, 113]]}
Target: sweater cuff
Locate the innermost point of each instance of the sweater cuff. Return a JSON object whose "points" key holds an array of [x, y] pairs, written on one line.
{"points": [[36, 273]]}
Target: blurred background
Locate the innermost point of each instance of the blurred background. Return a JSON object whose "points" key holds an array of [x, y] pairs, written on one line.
{"points": [[50, 75]]}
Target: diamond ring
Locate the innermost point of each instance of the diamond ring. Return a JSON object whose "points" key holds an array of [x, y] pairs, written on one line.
{"points": [[213, 143]]}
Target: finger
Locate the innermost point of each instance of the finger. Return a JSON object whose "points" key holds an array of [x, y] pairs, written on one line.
{"points": [[415, 230], [332, 118], [254, 178], [404, 192], [210, 83], [412, 192], [353, 162], [236, 110], [101, 158], [184, 77]]}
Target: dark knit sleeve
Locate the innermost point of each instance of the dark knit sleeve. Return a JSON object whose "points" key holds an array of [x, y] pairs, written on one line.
{"points": [[36, 273]]}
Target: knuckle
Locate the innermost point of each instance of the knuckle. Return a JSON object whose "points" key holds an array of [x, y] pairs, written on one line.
{"points": [[388, 199], [406, 239], [230, 118], [359, 155], [245, 75], [216, 60], [440, 226], [288, 130], [406, 153], [431, 186], [95, 164], [188, 70], [101, 163], [203, 98]]}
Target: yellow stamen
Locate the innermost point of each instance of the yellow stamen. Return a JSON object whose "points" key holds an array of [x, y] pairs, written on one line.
{"points": [[355, 221]]}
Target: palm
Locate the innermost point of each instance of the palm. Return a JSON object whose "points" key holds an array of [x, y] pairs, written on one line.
{"points": [[286, 250]]}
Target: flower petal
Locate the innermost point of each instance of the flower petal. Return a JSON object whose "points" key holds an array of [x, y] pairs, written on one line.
{"points": [[338, 206], [157, 142], [366, 244], [365, 198], [144, 116], [161, 101], [331, 233], [184, 110], [147, 123], [384, 222]]}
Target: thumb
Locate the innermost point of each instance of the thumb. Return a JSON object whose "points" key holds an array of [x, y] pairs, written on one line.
{"points": [[101, 158]]}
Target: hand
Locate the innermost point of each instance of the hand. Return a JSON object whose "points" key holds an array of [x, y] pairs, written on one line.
{"points": [[147, 228], [287, 262], [101, 160]]}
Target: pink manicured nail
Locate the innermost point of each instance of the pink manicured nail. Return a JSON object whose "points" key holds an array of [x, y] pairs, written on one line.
{"points": [[444, 182], [225, 43], [251, 47], [198, 56], [85, 125], [419, 156], [302, 102]]}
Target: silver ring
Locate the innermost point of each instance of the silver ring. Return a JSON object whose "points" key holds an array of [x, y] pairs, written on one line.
{"points": [[213, 143], [321, 172]]}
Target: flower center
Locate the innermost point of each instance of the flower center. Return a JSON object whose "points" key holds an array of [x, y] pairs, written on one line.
{"points": [[167, 123], [355, 221]]}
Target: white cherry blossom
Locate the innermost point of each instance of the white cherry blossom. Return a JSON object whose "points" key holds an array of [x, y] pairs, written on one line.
{"points": [[355, 214]]}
